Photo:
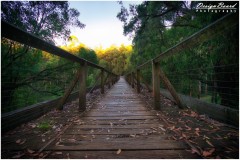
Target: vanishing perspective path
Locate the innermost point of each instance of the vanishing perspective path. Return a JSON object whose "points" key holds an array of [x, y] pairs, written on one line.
{"points": [[119, 126]]}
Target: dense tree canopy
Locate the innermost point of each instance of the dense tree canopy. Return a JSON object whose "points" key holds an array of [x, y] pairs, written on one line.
{"points": [[25, 69], [156, 26], [45, 19]]}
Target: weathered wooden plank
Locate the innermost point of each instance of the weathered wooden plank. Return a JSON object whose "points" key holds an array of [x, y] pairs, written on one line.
{"points": [[125, 154], [138, 145], [119, 122], [111, 114], [111, 125], [110, 131], [120, 118], [113, 137]]}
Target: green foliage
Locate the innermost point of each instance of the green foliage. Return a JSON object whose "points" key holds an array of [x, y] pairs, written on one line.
{"points": [[30, 75], [44, 125], [158, 26], [116, 59], [45, 19]]}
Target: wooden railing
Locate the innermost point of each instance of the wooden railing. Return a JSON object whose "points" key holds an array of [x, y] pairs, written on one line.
{"points": [[134, 77], [14, 33]]}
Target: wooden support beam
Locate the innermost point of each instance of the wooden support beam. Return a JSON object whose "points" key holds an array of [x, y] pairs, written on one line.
{"points": [[138, 81], [170, 88], [156, 85], [102, 81], [69, 90], [82, 87], [109, 81], [132, 79]]}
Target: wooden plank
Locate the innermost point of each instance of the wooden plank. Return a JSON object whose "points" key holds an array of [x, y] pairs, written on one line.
{"points": [[112, 114], [116, 137], [125, 154], [156, 86], [119, 122], [170, 88], [111, 125], [82, 87], [121, 118], [69, 90], [102, 131], [139, 145]]}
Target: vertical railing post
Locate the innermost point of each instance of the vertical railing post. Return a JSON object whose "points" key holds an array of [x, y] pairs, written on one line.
{"points": [[132, 78], [156, 85], [112, 79], [109, 81], [102, 81], [82, 87], [138, 81]]}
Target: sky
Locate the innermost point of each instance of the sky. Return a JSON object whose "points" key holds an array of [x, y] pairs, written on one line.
{"points": [[102, 26]]}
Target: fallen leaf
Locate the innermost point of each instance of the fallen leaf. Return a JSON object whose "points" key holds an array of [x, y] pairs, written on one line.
{"points": [[43, 140], [188, 128], [172, 128], [184, 135], [208, 153], [18, 156], [132, 135], [196, 132], [30, 151], [197, 129], [68, 157], [162, 129], [154, 128], [192, 141], [119, 151], [208, 142], [18, 141], [22, 142], [174, 138], [72, 140]]}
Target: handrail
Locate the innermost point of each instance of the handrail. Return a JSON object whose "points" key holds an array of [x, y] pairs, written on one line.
{"points": [[14, 33], [211, 30], [225, 23]]}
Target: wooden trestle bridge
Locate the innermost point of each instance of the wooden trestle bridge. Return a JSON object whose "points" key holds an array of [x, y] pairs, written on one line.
{"points": [[121, 123]]}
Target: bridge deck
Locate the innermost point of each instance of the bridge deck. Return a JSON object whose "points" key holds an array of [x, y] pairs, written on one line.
{"points": [[119, 125]]}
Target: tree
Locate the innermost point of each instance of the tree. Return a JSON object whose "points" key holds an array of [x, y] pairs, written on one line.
{"points": [[157, 26], [45, 19], [21, 64], [115, 59]]}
